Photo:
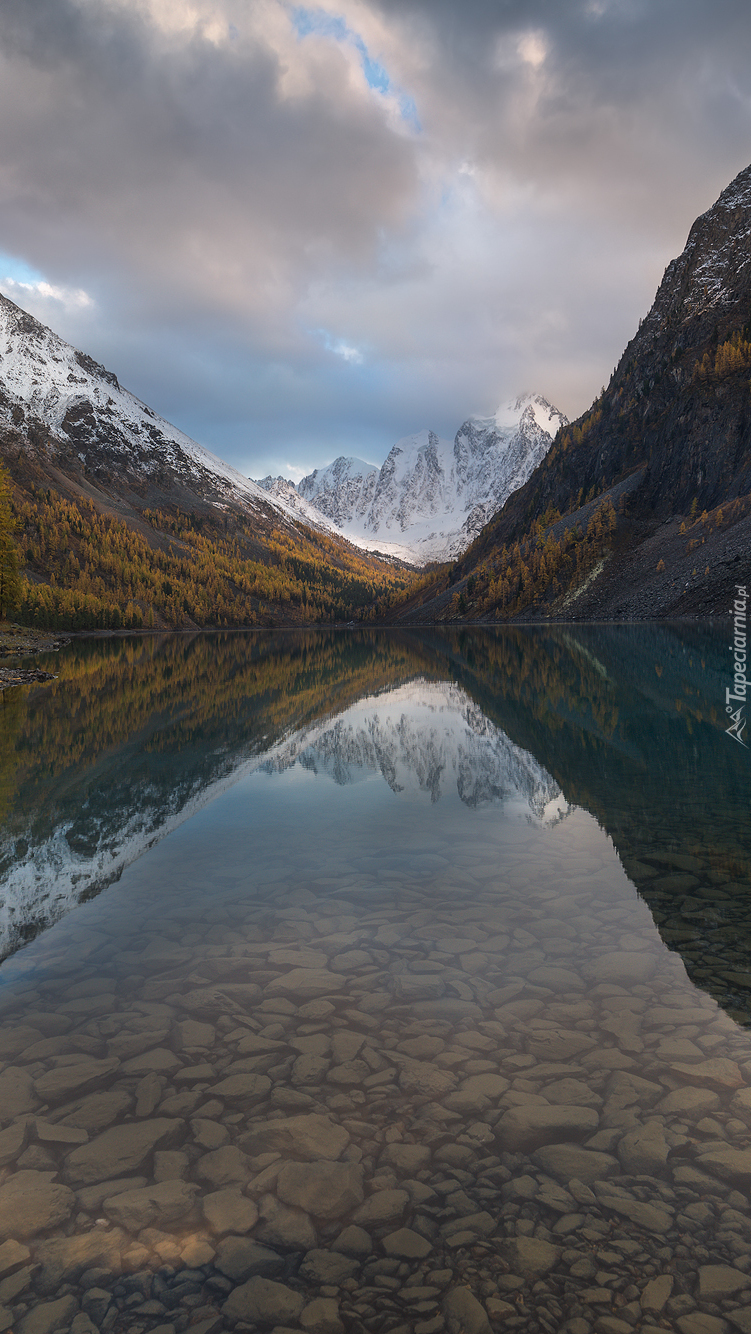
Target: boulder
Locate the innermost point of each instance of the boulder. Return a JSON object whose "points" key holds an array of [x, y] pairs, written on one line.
{"points": [[229, 1211], [426, 1079], [346, 1045], [464, 1314], [692, 1104], [727, 1163], [239, 1258], [532, 1257], [407, 1159], [48, 1316], [98, 1110], [82, 1324], [157, 1061], [16, 1094], [223, 1167], [151, 1206], [16, 1039], [656, 1293], [245, 1089], [406, 1244], [309, 1069], [353, 1241], [381, 1208], [262, 1301], [310, 1138], [644, 1152], [717, 1073], [304, 984], [556, 978], [283, 1226], [321, 1316], [349, 1074], [653, 1217], [63, 1259], [91, 1198], [191, 1035], [526, 1128], [120, 1150], [623, 968], [68, 1080], [740, 1106], [12, 1256], [30, 1203], [48, 1132], [327, 1190], [699, 1322], [559, 1044], [328, 1267], [716, 1282], [13, 1142]]}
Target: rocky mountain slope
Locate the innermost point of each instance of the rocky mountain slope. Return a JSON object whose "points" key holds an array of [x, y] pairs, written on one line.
{"points": [[179, 537], [668, 443], [74, 411], [431, 496]]}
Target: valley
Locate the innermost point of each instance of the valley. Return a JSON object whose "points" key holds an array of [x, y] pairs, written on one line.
{"points": [[639, 509]]}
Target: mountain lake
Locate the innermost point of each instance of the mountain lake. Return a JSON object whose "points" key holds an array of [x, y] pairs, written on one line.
{"points": [[376, 981]]}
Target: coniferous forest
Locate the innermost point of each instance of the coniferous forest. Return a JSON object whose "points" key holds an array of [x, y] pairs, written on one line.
{"points": [[66, 565]]}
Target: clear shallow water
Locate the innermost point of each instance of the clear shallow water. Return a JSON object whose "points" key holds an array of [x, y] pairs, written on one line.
{"points": [[394, 1013]]}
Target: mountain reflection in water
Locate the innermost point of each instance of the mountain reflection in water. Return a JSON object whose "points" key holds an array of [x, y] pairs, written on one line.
{"points": [[627, 722], [425, 737]]}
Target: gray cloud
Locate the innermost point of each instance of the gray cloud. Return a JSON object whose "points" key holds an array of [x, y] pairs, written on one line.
{"points": [[179, 155], [281, 262]]}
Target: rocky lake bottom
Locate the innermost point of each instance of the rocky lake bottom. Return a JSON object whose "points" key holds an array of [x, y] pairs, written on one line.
{"points": [[382, 1038]]}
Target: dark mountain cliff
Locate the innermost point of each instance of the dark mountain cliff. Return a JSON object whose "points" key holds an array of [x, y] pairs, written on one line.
{"points": [[679, 399], [672, 431]]}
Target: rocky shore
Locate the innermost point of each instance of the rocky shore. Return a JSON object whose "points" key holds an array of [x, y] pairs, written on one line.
{"points": [[18, 641], [22, 641], [332, 1112]]}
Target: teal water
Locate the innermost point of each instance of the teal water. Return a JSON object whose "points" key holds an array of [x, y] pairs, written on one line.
{"points": [[478, 902]]}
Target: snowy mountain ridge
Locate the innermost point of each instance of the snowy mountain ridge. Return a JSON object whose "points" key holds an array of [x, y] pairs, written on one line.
{"points": [[426, 502], [430, 497], [46, 383], [425, 739]]}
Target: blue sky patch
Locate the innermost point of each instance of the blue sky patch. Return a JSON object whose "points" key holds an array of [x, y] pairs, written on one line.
{"points": [[18, 270], [308, 22]]}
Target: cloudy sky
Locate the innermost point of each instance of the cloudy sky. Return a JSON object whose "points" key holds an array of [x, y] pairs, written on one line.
{"points": [[304, 231]]}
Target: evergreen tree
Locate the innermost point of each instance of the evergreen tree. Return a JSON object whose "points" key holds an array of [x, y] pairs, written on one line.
{"points": [[10, 579]]}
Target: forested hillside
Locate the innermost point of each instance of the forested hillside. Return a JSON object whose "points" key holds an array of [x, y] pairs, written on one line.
{"points": [[120, 520], [83, 567]]}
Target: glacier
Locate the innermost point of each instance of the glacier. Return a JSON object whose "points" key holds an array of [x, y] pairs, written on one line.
{"points": [[431, 497]]}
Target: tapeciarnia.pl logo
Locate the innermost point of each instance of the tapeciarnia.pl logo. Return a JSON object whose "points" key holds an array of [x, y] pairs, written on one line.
{"points": [[737, 696]]}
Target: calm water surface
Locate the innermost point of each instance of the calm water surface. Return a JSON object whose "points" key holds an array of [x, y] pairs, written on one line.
{"points": [[370, 981]]}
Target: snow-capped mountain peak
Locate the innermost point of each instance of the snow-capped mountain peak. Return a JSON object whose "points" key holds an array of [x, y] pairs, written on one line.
{"points": [[342, 491], [529, 408], [70, 405], [432, 496]]}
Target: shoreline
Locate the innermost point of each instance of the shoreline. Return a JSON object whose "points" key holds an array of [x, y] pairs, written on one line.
{"points": [[27, 642], [19, 642]]}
